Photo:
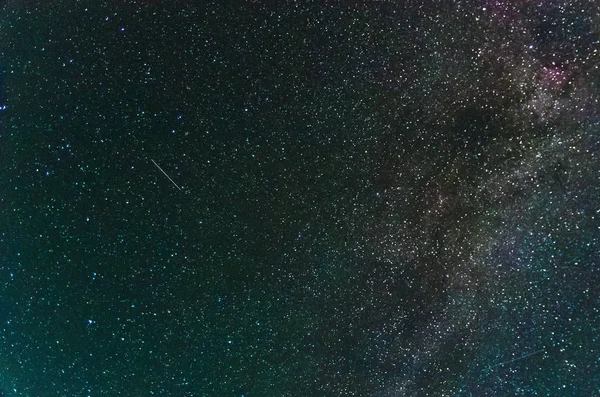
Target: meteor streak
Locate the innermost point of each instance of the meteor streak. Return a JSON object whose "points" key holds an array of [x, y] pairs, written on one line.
{"points": [[161, 170]]}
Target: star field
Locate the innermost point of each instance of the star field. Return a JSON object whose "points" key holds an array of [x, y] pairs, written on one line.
{"points": [[378, 198]]}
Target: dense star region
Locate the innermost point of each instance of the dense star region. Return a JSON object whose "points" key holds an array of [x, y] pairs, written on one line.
{"points": [[308, 198]]}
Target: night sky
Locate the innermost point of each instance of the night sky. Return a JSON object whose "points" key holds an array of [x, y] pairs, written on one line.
{"points": [[299, 198]]}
